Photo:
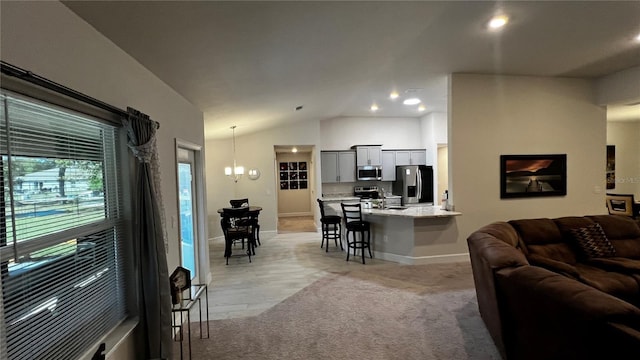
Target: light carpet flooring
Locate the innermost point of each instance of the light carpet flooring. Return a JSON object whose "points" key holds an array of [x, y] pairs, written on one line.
{"points": [[282, 266]]}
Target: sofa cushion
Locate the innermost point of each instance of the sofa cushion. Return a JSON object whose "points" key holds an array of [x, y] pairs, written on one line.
{"points": [[544, 238], [592, 242], [620, 285], [623, 233]]}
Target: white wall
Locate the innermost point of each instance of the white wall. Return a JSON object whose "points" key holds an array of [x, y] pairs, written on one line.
{"points": [[622, 87], [494, 115], [51, 41], [626, 137], [392, 133]]}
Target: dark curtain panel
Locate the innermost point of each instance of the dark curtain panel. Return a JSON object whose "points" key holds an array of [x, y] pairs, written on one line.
{"points": [[149, 236]]}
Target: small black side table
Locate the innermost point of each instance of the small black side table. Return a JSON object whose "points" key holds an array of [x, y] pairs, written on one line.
{"points": [[184, 306]]}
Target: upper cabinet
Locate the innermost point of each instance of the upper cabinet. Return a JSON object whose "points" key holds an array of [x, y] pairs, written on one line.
{"points": [[411, 157], [338, 166], [388, 165], [369, 155]]}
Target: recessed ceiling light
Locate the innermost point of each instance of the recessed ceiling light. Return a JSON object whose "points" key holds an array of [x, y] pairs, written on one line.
{"points": [[374, 107], [411, 101], [294, 149], [421, 108], [394, 95], [638, 37], [498, 22]]}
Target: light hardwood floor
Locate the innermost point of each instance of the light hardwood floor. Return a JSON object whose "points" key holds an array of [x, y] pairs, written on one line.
{"points": [[282, 266]]}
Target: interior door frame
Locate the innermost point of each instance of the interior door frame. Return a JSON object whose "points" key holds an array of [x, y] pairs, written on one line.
{"points": [[201, 239]]}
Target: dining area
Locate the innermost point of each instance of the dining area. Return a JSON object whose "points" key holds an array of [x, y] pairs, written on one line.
{"points": [[241, 228]]}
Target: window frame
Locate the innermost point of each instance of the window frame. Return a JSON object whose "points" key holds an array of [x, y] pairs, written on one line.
{"points": [[125, 182]]}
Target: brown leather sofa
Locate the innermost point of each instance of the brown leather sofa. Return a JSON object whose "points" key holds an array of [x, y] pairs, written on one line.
{"points": [[548, 291]]}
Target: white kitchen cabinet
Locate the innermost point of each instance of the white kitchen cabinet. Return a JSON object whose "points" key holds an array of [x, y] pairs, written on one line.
{"points": [[369, 155], [338, 166], [388, 165], [411, 157]]}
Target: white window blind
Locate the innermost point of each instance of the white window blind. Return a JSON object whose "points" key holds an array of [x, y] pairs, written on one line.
{"points": [[61, 231]]}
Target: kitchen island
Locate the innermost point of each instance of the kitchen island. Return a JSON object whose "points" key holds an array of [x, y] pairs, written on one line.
{"points": [[411, 234]]}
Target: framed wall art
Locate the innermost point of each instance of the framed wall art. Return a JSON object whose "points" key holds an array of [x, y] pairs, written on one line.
{"points": [[533, 175], [293, 175]]}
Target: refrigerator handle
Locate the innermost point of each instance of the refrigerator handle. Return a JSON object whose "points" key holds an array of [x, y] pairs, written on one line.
{"points": [[419, 182]]}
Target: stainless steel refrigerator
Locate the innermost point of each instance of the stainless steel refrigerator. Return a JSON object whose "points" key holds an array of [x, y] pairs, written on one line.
{"points": [[414, 183]]}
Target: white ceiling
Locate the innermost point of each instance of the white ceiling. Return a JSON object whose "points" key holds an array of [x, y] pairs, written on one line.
{"points": [[251, 63]]}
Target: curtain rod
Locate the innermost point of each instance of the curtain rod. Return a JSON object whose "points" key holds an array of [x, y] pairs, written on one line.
{"points": [[12, 70]]}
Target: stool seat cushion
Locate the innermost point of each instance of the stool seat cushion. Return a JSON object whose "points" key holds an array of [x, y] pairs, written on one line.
{"points": [[331, 219], [358, 225]]}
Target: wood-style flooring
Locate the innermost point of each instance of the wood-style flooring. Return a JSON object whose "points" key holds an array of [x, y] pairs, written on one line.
{"points": [[296, 224], [282, 266]]}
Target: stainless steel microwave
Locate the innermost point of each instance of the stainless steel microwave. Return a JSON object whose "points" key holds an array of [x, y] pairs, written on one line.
{"points": [[369, 173]]}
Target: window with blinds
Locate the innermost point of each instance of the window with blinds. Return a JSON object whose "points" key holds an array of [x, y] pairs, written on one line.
{"points": [[61, 230]]}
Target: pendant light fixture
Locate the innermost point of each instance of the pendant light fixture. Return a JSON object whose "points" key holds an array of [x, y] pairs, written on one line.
{"points": [[235, 172]]}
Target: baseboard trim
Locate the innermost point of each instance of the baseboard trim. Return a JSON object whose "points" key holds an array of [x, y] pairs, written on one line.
{"points": [[422, 260], [296, 214]]}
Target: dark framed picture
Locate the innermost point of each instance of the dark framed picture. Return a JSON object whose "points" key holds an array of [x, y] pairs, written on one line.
{"points": [[303, 184], [611, 166], [293, 185], [302, 165], [533, 175], [284, 185], [284, 175], [293, 175], [284, 166], [293, 165], [302, 175]]}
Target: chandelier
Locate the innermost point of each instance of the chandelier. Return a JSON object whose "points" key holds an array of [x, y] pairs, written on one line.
{"points": [[235, 172]]}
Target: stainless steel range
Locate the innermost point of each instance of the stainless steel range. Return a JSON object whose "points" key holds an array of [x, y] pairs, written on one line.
{"points": [[366, 192]]}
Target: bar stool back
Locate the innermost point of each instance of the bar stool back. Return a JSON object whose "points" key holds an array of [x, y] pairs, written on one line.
{"points": [[354, 224], [331, 227]]}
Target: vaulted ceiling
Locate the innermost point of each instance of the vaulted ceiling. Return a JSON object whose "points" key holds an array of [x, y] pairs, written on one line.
{"points": [[251, 64]]}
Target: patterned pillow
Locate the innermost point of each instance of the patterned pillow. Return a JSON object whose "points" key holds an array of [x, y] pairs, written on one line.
{"points": [[593, 242]]}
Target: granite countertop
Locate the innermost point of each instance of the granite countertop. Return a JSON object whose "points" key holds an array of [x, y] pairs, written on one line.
{"points": [[340, 198], [427, 211]]}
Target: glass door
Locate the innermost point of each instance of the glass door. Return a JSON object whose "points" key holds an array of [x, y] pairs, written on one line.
{"points": [[188, 219]]}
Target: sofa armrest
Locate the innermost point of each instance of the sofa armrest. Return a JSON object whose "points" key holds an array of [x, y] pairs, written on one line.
{"points": [[554, 265], [550, 316], [489, 254]]}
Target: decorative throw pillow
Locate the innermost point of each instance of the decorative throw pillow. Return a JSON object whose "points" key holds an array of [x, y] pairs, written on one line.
{"points": [[593, 242]]}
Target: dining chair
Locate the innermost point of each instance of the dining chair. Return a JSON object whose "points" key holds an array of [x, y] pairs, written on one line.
{"points": [[623, 204], [237, 225], [354, 225], [331, 227], [237, 203]]}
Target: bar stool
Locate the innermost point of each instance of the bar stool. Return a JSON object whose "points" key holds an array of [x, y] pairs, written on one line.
{"points": [[354, 224], [331, 227]]}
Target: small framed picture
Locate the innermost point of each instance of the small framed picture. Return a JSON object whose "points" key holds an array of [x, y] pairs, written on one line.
{"points": [[284, 185], [293, 165], [293, 185], [303, 184]]}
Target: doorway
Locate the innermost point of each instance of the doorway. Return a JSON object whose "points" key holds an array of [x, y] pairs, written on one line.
{"points": [[295, 188], [443, 172], [189, 219]]}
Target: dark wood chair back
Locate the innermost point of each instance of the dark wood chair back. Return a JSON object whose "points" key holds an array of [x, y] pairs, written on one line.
{"points": [[236, 203], [623, 204]]}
